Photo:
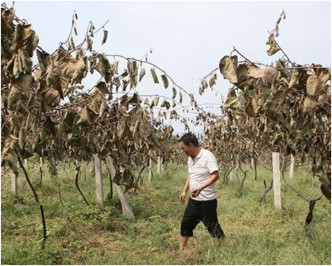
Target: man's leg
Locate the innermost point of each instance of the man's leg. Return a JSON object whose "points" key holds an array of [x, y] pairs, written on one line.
{"points": [[211, 222], [188, 223], [222, 241], [183, 242]]}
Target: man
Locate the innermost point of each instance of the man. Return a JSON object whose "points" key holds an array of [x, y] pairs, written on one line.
{"points": [[202, 205]]}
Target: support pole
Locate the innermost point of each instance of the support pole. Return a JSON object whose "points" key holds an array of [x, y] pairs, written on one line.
{"points": [[159, 165], [276, 180], [14, 183], [126, 209], [99, 182], [291, 168], [150, 170]]}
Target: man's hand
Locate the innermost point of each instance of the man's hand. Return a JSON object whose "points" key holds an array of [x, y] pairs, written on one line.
{"points": [[183, 197], [196, 192]]}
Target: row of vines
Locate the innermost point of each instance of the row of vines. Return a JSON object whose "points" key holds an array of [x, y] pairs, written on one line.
{"points": [[284, 107], [46, 111]]}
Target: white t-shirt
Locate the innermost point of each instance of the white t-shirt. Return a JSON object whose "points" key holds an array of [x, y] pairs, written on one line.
{"points": [[200, 170]]}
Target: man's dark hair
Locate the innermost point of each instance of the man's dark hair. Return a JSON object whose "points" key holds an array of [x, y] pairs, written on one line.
{"points": [[189, 138]]}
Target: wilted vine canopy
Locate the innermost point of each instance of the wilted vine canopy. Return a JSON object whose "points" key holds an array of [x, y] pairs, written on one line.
{"points": [[46, 112], [283, 107]]}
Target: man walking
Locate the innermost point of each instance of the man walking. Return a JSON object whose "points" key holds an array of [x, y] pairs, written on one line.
{"points": [[202, 205]]}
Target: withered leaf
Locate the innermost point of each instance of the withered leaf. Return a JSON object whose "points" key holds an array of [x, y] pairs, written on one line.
{"points": [[104, 37], [156, 100], [309, 104], [95, 105], [154, 75], [232, 101], [192, 99], [124, 84], [79, 70], [115, 68], [255, 72], [294, 78], [252, 107], [313, 84], [174, 93], [22, 33], [269, 74], [165, 104], [22, 137], [180, 97], [103, 67], [102, 88], [227, 68], [12, 96], [141, 74], [84, 119], [136, 127], [152, 104], [274, 48], [134, 100], [102, 109], [212, 82], [165, 81], [52, 97]]}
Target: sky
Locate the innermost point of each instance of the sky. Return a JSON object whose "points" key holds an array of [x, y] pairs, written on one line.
{"points": [[188, 38]]}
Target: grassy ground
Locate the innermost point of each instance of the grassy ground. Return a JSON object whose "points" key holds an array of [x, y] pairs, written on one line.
{"points": [[256, 232]]}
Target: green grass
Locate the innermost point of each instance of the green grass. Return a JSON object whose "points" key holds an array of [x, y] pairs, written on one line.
{"points": [[256, 232]]}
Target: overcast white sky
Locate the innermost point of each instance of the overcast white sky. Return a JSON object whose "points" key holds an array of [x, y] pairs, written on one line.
{"points": [[189, 38]]}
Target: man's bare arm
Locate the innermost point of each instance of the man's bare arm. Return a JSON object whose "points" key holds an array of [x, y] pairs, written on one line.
{"points": [[185, 190], [213, 178]]}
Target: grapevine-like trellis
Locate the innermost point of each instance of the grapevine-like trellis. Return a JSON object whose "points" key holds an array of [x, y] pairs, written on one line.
{"points": [[45, 112], [283, 108]]}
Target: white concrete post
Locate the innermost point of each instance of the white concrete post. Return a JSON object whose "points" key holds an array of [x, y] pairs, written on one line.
{"points": [[126, 209], [291, 168], [99, 182], [14, 183], [276, 180], [150, 170], [159, 165]]}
